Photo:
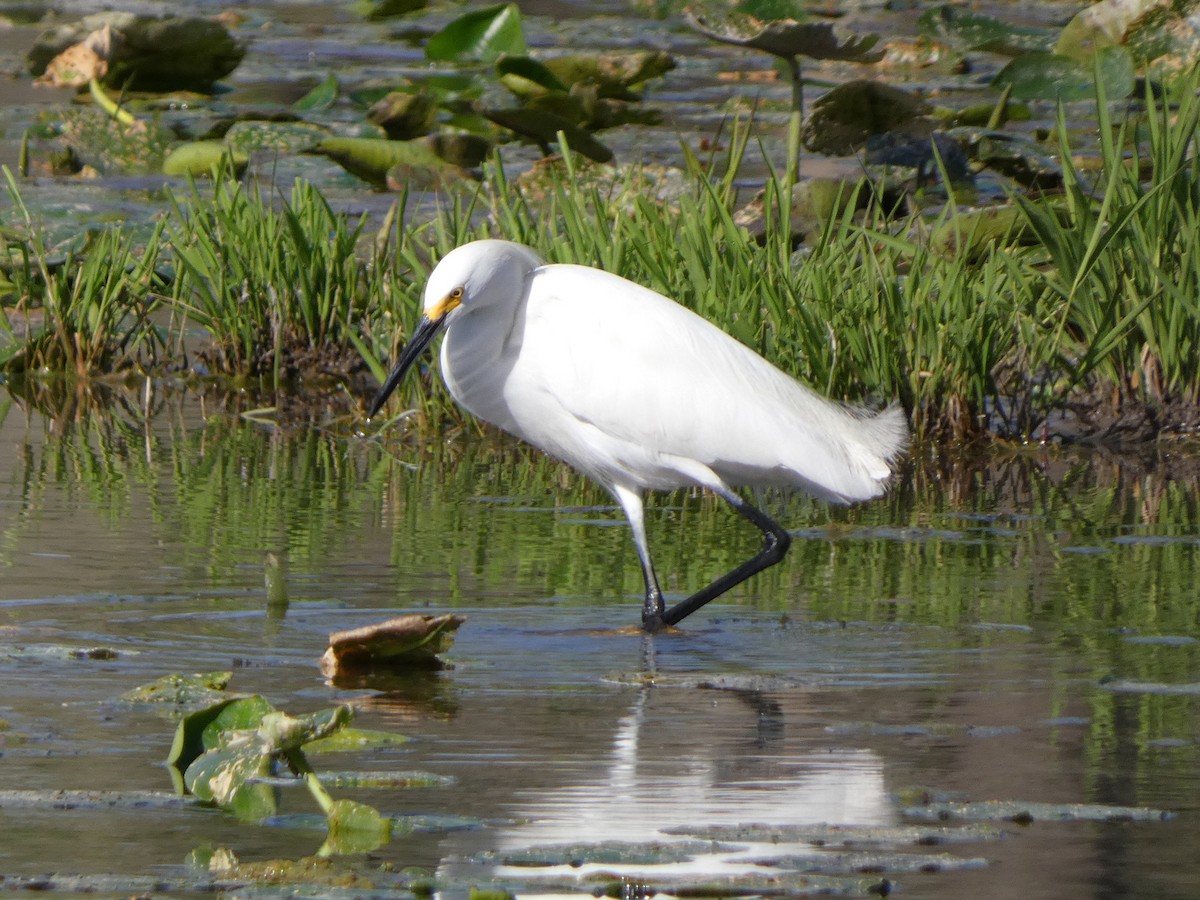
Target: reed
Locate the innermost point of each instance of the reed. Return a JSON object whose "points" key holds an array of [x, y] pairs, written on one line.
{"points": [[86, 314], [265, 283]]}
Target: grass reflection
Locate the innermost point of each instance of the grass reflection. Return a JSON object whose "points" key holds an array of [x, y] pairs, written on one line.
{"points": [[1075, 545]]}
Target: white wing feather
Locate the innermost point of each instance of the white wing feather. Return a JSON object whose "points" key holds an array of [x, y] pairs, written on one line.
{"points": [[685, 391]]}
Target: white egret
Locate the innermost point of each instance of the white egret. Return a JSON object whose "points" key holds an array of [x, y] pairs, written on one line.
{"points": [[641, 394]]}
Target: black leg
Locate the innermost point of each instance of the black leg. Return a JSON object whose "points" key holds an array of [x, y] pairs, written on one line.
{"points": [[775, 545]]}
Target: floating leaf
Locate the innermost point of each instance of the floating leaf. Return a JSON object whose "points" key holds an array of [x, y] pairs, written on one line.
{"points": [[1048, 76], [481, 35], [966, 30], [181, 690], [789, 38], [371, 158], [612, 75], [347, 739], [543, 128], [355, 828], [320, 97], [526, 77], [846, 116], [202, 730], [217, 775], [403, 115], [387, 9], [200, 159], [278, 137]]}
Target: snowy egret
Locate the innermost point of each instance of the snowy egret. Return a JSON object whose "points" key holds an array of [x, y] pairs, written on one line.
{"points": [[641, 394]]}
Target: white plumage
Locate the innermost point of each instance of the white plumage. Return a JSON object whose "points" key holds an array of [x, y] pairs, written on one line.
{"points": [[640, 393]]}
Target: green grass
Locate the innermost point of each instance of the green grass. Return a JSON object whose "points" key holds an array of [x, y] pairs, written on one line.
{"points": [[265, 279], [86, 314], [976, 328]]}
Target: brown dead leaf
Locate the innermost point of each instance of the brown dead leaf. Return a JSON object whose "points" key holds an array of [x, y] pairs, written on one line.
{"points": [[82, 62]]}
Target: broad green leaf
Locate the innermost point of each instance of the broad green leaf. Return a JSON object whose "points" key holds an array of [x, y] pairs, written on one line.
{"points": [[350, 739], [966, 30], [481, 35], [216, 776], [202, 730], [202, 158], [526, 77], [376, 10], [788, 38], [544, 127], [182, 690], [610, 74], [355, 828], [320, 97], [371, 158], [1048, 76], [275, 137]]}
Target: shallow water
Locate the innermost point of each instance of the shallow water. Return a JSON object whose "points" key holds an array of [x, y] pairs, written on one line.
{"points": [[1027, 633]]}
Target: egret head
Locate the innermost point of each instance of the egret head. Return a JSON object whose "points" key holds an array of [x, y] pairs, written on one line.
{"points": [[472, 276]]}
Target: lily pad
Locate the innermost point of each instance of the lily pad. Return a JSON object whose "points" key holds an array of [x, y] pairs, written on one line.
{"points": [[255, 135], [182, 690], [350, 738], [321, 97], [1049, 76], [843, 119], [789, 38], [613, 75], [403, 115], [543, 128], [201, 730], [481, 35], [199, 159], [355, 828], [966, 30], [372, 158]]}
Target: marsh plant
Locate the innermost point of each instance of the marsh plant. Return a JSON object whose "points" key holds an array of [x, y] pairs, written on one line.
{"points": [[272, 283], [1086, 295], [85, 311]]}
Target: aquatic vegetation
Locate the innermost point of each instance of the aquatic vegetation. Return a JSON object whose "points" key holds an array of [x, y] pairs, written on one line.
{"points": [[226, 753], [88, 312], [269, 286]]}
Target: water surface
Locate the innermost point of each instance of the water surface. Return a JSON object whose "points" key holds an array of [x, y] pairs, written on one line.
{"points": [[1024, 632]]}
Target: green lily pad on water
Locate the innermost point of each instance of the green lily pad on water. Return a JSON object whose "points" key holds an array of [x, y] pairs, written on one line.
{"points": [[182, 690], [256, 135], [651, 853], [355, 739], [481, 35], [788, 37], [201, 159], [1049, 76], [843, 119], [371, 159], [843, 835], [354, 828], [966, 30], [613, 75], [201, 731]]}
